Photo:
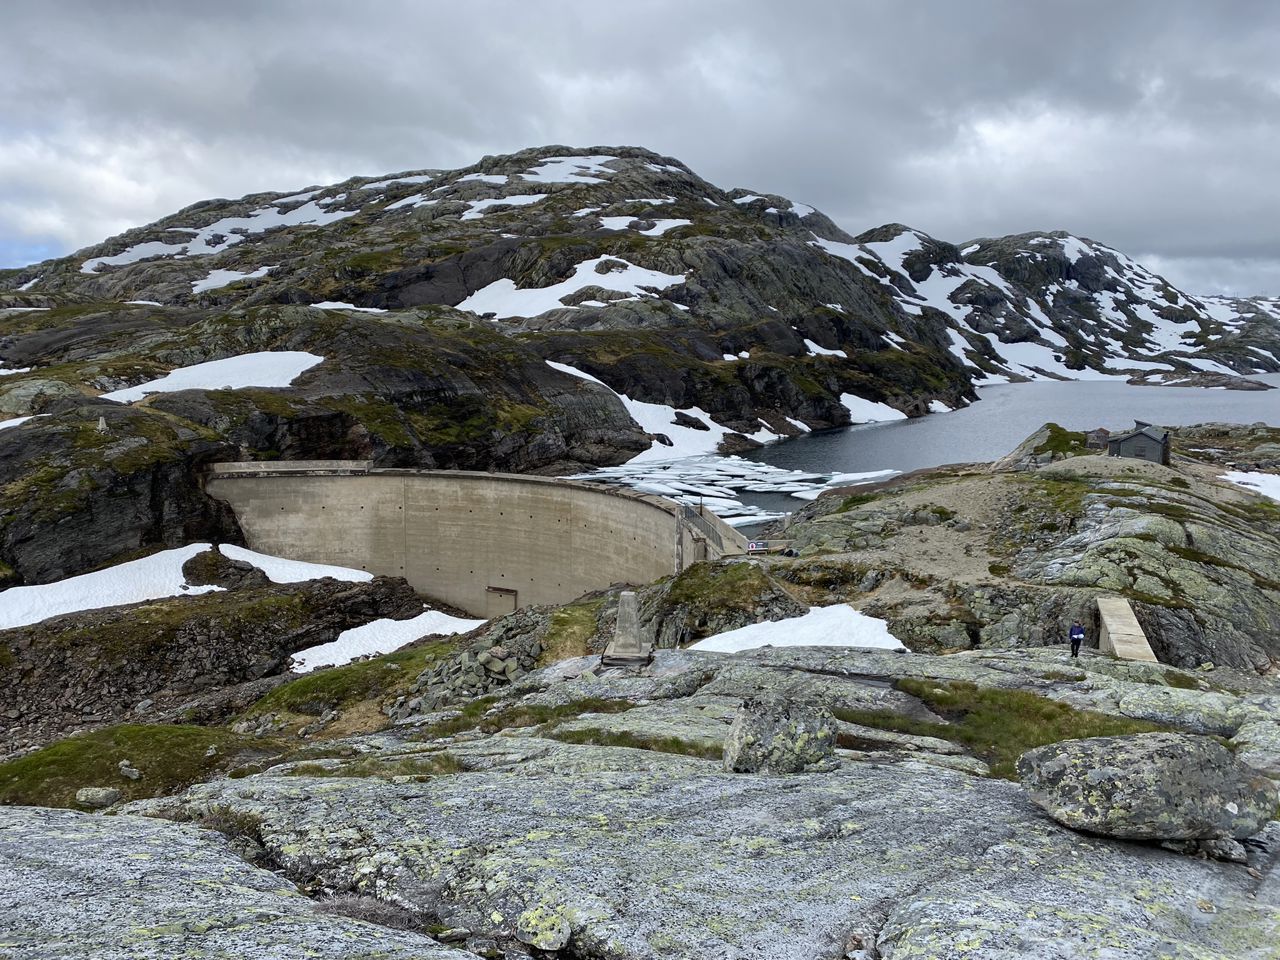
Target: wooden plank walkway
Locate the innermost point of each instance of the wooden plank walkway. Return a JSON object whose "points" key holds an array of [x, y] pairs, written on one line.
{"points": [[1120, 634]]}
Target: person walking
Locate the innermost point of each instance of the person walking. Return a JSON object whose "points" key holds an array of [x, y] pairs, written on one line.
{"points": [[1076, 634]]}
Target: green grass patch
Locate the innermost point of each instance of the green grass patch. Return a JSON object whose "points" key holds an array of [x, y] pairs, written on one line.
{"points": [[1061, 442], [855, 501], [476, 715], [314, 693], [170, 758], [708, 587], [432, 765], [996, 725], [622, 738], [569, 630]]}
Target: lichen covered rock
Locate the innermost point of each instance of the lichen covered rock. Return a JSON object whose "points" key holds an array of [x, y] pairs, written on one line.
{"points": [[775, 736], [1156, 786]]}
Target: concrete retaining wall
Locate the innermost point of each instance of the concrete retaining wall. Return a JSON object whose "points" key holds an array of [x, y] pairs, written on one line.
{"points": [[1120, 634], [488, 543]]}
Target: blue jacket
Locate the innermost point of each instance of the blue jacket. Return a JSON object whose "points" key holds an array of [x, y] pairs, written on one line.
{"points": [[1077, 633]]}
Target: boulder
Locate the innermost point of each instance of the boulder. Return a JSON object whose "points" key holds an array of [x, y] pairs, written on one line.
{"points": [[778, 736], [97, 798], [1154, 786]]}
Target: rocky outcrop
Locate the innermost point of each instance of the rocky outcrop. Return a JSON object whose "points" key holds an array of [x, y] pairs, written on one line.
{"points": [[1154, 786], [92, 668], [962, 556], [608, 829]]}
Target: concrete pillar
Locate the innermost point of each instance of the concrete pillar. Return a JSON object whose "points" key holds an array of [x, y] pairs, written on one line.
{"points": [[629, 647]]}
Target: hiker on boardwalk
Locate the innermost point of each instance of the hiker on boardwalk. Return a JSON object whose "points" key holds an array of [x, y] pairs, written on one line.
{"points": [[1076, 634]]}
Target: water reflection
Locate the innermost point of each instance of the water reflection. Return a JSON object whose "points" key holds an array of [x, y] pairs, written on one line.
{"points": [[1007, 414]]}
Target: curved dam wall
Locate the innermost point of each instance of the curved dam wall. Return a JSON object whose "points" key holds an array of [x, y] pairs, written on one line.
{"points": [[488, 543]]}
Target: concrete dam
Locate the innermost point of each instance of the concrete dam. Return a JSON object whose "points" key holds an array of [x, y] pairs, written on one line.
{"points": [[488, 543]]}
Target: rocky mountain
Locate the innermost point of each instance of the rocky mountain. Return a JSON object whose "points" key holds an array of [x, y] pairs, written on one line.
{"points": [[544, 311]]}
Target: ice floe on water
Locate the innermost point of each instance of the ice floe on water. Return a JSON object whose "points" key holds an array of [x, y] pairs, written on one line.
{"points": [[725, 485], [268, 368], [380, 636], [1267, 484], [835, 626]]}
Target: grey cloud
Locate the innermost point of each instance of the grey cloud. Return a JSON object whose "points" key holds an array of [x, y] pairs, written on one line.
{"points": [[1151, 125]]}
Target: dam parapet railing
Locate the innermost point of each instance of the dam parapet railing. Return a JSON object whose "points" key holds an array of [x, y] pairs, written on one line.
{"points": [[486, 542]]}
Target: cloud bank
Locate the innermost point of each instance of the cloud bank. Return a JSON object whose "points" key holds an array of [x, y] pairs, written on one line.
{"points": [[1151, 126]]}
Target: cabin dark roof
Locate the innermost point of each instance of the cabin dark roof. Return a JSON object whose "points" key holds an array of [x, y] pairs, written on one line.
{"points": [[1142, 430]]}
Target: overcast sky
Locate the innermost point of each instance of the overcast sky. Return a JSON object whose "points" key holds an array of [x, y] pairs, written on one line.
{"points": [[1151, 126]]}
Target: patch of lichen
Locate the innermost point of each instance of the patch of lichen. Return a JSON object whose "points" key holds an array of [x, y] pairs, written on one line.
{"points": [[480, 715], [996, 725], [169, 758]]}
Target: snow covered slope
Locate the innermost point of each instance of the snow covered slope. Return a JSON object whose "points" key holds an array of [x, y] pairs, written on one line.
{"points": [[1038, 306]]}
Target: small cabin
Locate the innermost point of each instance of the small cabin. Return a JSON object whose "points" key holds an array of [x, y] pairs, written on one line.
{"points": [[1143, 442], [1097, 439]]}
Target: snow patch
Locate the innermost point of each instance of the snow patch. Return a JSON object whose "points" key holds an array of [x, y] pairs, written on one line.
{"points": [[218, 236], [476, 208], [838, 625], [152, 578], [505, 299], [868, 411], [339, 305], [817, 351], [1266, 484], [569, 170], [220, 278], [380, 636], [280, 570], [17, 422], [269, 368]]}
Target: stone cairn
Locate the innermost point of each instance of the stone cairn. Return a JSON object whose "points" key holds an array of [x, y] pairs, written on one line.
{"points": [[475, 671]]}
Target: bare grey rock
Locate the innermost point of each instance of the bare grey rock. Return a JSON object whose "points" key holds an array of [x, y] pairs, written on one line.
{"points": [[74, 886], [97, 798]]}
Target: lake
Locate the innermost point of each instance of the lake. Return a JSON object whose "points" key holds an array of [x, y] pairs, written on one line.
{"points": [[1007, 414]]}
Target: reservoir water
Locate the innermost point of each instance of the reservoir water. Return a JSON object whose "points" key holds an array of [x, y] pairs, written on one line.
{"points": [[1008, 414]]}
